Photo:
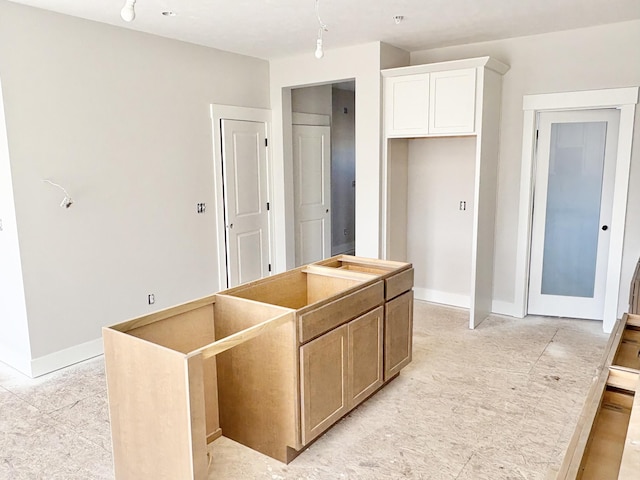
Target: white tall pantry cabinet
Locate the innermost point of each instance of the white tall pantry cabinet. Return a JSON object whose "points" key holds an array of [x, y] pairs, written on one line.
{"points": [[449, 99]]}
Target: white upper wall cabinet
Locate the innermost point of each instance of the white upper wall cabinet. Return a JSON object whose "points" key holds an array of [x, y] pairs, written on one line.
{"points": [[407, 105], [446, 99], [452, 101], [435, 99]]}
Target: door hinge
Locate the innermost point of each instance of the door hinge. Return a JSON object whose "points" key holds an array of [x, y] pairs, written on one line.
{"points": [[266, 142], [268, 206], [269, 267]]}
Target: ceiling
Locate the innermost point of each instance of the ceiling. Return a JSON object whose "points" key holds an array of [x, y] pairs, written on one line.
{"points": [[278, 28]]}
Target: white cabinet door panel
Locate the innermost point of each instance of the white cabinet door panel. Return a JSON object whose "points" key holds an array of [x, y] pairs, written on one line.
{"points": [[452, 101], [407, 105]]}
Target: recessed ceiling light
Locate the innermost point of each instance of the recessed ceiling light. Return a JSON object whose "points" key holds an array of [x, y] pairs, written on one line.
{"points": [[169, 13]]}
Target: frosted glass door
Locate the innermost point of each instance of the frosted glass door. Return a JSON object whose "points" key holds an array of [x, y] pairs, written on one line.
{"points": [[572, 213]]}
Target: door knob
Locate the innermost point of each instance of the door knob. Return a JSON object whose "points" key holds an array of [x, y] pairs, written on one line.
{"points": [[231, 225], [605, 227]]}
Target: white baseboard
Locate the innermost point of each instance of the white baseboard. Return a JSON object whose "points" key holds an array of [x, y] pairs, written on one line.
{"points": [[445, 298], [66, 357], [509, 309]]}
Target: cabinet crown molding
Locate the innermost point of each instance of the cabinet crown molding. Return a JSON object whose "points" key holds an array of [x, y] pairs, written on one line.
{"points": [[487, 62]]}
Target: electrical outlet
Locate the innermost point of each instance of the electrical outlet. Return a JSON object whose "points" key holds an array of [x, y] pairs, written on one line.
{"points": [[463, 205], [201, 207], [151, 298], [346, 232]]}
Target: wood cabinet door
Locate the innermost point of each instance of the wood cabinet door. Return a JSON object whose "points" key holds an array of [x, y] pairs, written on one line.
{"points": [[407, 105], [365, 373], [398, 334], [323, 367], [452, 101]]}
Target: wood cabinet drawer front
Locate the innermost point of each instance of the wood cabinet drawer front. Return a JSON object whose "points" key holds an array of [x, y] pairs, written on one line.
{"points": [[399, 283], [326, 317]]}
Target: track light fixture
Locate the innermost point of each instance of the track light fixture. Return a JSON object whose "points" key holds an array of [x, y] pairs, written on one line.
{"points": [[319, 53], [128, 12]]}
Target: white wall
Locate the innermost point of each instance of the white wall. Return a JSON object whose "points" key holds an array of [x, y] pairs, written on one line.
{"points": [[441, 173], [315, 99], [362, 63], [121, 119], [14, 334], [583, 59]]}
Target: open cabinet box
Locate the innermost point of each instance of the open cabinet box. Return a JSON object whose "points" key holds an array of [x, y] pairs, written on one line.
{"points": [[271, 364], [606, 442], [162, 382]]}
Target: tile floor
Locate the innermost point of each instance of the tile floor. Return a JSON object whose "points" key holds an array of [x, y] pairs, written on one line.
{"points": [[499, 402]]}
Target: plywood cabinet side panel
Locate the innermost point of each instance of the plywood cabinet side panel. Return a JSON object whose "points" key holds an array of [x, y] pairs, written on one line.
{"points": [[321, 287], [603, 454], [288, 289], [258, 380], [630, 464], [365, 374], [149, 409], [315, 321], [163, 314], [198, 423], [183, 332]]}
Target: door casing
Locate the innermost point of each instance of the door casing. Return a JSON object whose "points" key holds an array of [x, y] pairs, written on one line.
{"points": [[624, 99]]}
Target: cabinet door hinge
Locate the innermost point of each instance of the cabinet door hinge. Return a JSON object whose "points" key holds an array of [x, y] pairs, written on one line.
{"points": [[268, 206], [269, 267], [266, 142]]}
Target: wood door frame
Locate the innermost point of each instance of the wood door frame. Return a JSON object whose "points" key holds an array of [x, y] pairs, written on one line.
{"points": [[229, 112], [623, 99]]}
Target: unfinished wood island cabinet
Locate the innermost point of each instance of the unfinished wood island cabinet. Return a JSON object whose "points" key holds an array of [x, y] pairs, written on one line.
{"points": [[606, 441], [270, 364]]}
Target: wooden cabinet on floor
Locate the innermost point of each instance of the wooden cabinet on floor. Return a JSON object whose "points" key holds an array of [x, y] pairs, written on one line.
{"points": [[606, 441], [339, 370], [270, 364]]}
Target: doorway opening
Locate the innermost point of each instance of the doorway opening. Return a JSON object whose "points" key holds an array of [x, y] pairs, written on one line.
{"points": [[323, 138]]}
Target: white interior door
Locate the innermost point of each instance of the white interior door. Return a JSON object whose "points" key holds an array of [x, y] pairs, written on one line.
{"points": [[244, 170], [312, 192], [573, 199]]}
